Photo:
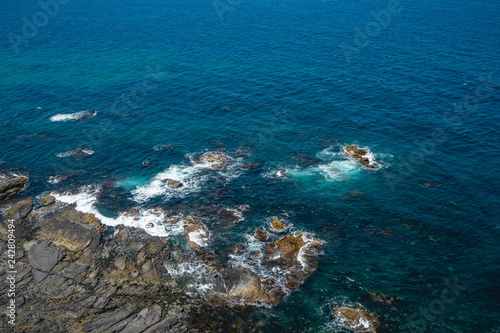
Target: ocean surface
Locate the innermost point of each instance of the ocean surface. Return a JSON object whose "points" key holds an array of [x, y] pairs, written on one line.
{"points": [[89, 90]]}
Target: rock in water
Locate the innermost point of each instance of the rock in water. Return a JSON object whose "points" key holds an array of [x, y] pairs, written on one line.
{"points": [[277, 225], [238, 284], [358, 154], [296, 254], [196, 234], [213, 160], [10, 186], [282, 173], [172, 183], [261, 235], [357, 319], [20, 210]]}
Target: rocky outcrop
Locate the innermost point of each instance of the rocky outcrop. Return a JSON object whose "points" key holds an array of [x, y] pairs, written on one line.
{"points": [[250, 166], [296, 255], [196, 234], [19, 210], [356, 319], [173, 183], [239, 285], [213, 160], [71, 279], [278, 226], [359, 155], [74, 277], [11, 185], [261, 235]]}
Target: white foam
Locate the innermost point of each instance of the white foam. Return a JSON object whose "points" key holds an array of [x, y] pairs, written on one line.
{"points": [[54, 179], [76, 151], [200, 237], [191, 176], [178, 268], [300, 256], [151, 220], [73, 116], [187, 175], [374, 159]]}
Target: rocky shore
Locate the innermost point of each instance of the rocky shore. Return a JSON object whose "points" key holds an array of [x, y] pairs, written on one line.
{"points": [[76, 275]]}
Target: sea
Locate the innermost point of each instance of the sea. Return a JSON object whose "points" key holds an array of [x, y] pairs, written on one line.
{"points": [[101, 100]]}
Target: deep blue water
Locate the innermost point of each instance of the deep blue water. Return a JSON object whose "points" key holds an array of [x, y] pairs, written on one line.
{"points": [[421, 93]]}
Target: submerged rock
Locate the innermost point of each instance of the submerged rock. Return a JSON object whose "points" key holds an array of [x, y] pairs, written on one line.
{"points": [[356, 319], [359, 155], [261, 235], [11, 185], [78, 152], [380, 298], [230, 215], [250, 166], [162, 147], [304, 159], [355, 194], [242, 152]]}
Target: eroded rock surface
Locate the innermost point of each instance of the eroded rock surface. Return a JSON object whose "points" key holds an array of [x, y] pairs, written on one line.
{"points": [[357, 319], [11, 185], [360, 156]]}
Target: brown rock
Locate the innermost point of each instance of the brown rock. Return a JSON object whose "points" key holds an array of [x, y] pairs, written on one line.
{"points": [[196, 234], [11, 185], [47, 200], [380, 298], [215, 160], [173, 183], [358, 154], [356, 319], [241, 285], [277, 225], [19, 210], [261, 235]]}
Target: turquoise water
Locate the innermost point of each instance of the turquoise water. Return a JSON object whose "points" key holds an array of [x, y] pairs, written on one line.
{"points": [[421, 93]]}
